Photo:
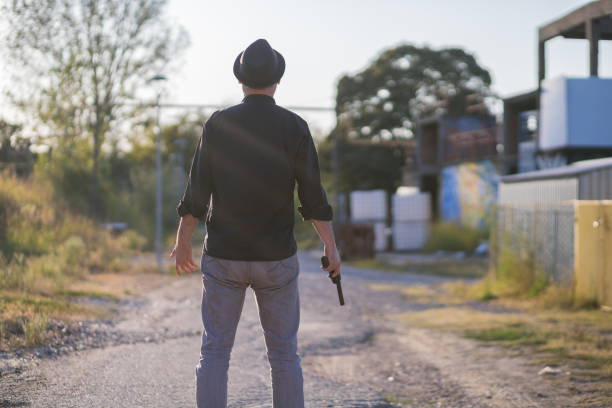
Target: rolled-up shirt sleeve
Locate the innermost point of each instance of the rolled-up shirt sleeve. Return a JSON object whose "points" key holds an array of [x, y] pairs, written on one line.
{"points": [[196, 198], [312, 196]]}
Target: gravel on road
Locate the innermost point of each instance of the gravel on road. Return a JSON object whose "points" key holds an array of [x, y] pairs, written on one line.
{"points": [[352, 356]]}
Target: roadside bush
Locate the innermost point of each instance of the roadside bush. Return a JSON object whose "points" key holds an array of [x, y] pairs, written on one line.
{"points": [[517, 275], [47, 274], [10, 328], [43, 245], [132, 240], [71, 255], [109, 250], [53, 272], [34, 330], [25, 216], [12, 272], [449, 236]]}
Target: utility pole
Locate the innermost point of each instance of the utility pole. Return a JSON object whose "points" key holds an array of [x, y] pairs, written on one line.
{"points": [[158, 195], [158, 79], [336, 171]]}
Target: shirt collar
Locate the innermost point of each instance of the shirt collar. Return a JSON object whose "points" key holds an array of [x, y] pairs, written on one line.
{"points": [[258, 98]]}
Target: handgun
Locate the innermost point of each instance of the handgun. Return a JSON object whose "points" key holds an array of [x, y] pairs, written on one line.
{"points": [[335, 280]]}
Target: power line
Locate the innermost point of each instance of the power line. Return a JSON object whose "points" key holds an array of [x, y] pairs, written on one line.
{"points": [[221, 106]]}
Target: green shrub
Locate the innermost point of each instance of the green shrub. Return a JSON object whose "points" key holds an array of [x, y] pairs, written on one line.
{"points": [[71, 255], [449, 236], [12, 272], [34, 330], [25, 217], [133, 240], [517, 275], [36, 223], [45, 275]]}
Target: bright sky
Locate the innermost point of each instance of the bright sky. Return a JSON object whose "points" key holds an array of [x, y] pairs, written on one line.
{"points": [[323, 39]]}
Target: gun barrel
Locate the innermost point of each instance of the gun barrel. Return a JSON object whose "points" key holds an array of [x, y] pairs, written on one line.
{"points": [[340, 295]]}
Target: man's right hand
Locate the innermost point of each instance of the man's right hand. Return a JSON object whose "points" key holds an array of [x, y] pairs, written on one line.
{"points": [[331, 252], [182, 249], [183, 255]]}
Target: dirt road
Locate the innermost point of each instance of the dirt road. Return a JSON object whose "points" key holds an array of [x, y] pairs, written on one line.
{"points": [[352, 356]]}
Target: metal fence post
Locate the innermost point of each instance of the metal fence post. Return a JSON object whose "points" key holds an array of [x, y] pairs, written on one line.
{"points": [[556, 243]]}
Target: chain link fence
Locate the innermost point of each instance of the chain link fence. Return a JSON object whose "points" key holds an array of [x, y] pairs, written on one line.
{"points": [[545, 232]]}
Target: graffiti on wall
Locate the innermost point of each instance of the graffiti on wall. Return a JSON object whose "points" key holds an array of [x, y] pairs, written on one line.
{"points": [[468, 193]]}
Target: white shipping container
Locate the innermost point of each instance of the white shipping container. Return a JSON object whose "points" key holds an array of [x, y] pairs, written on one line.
{"points": [[410, 234], [411, 207], [380, 236], [368, 205]]}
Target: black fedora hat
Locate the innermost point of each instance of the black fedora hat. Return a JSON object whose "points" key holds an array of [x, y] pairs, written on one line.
{"points": [[259, 66]]}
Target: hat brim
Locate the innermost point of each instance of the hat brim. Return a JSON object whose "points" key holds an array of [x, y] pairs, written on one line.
{"points": [[273, 78]]}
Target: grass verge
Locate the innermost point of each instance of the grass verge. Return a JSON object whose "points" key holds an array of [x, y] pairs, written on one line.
{"points": [[46, 254], [451, 236], [93, 294], [578, 339], [465, 268], [24, 318]]}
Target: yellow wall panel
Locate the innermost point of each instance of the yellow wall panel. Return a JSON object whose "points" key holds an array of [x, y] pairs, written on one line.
{"points": [[593, 251]]}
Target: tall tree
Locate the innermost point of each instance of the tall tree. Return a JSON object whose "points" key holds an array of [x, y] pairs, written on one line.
{"points": [[83, 61], [406, 83], [384, 101]]}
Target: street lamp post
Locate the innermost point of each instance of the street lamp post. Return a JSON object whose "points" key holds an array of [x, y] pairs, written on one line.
{"points": [[157, 81]]}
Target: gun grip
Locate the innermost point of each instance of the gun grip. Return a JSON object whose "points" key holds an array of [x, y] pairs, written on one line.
{"points": [[335, 280], [324, 261]]}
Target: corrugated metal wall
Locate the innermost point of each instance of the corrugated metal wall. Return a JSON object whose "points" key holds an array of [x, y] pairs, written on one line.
{"points": [[538, 191], [595, 185]]}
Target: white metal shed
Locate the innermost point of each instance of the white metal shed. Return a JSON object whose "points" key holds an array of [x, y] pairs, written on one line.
{"points": [[583, 180]]}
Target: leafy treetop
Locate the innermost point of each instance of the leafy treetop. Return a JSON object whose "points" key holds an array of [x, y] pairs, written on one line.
{"points": [[404, 84]]}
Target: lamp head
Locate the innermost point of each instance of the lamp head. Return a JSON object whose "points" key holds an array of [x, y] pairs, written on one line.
{"points": [[157, 82]]}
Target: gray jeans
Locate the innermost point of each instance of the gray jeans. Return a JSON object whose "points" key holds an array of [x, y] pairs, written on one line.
{"points": [[275, 283]]}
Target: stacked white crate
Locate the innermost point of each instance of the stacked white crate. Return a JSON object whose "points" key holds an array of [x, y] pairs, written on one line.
{"points": [[370, 207], [411, 219]]}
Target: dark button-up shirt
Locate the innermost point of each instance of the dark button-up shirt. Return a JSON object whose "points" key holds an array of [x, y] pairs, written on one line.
{"points": [[243, 176]]}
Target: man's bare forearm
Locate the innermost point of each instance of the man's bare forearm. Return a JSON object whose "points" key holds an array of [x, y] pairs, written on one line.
{"points": [[325, 231], [182, 250], [186, 228]]}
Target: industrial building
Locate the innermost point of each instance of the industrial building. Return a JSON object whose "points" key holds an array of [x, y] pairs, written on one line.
{"points": [[455, 162], [565, 119]]}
